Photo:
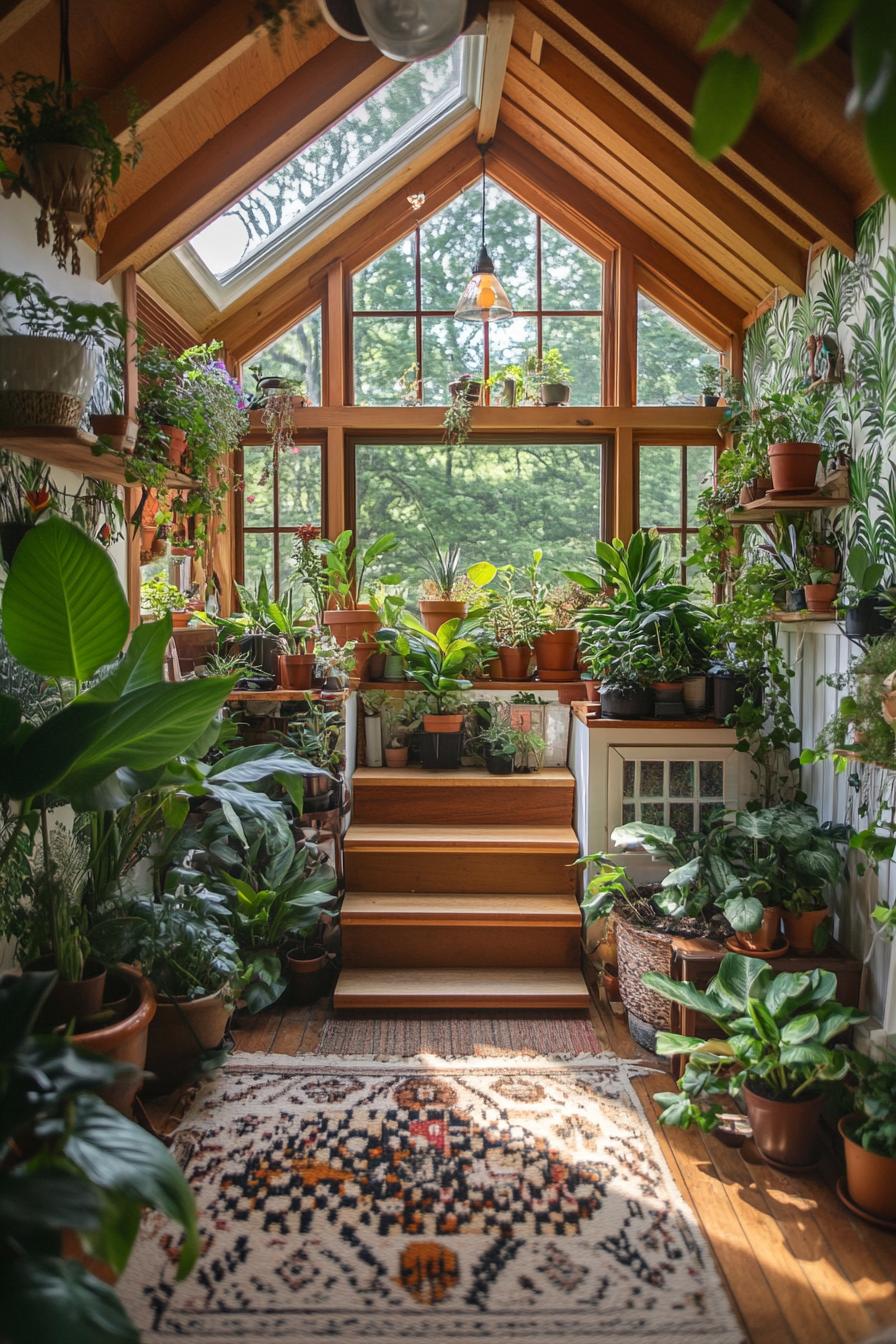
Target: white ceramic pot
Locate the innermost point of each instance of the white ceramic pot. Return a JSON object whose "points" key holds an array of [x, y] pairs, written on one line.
{"points": [[694, 694], [373, 739]]}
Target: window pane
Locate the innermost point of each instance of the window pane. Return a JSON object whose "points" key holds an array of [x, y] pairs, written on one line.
{"points": [[712, 775], [578, 340], [300, 485], [258, 549], [681, 779], [449, 246], [385, 348], [296, 355], [701, 459], [511, 342], [388, 282], [681, 818], [258, 498], [628, 779], [669, 357], [449, 349], [659, 487], [500, 501], [570, 278], [653, 814], [652, 779]]}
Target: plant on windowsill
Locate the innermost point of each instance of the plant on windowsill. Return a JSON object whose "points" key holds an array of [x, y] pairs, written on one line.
{"points": [[515, 619], [774, 1050], [277, 397], [443, 586], [708, 377], [458, 416], [555, 380], [510, 381]]}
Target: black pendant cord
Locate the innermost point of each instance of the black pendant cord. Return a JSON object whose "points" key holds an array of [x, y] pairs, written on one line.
{"points": [[482, 149], [65, 57]]}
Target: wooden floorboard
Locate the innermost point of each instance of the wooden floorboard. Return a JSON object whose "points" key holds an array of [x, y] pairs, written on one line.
{"points": [[798, 1267]]}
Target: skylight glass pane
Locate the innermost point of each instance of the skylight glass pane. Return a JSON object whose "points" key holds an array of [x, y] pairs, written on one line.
{"points": [[296, 355], [570, 278], [382, 119]]}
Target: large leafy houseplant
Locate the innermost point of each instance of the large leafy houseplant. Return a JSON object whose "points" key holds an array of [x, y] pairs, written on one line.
{"points": [[437, 661], [69, 1162]]}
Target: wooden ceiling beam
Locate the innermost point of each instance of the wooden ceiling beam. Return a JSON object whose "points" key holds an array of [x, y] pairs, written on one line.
{"points": [[644, 161], [585, 217], [247, 151], [636, 65], [501, 15], [181, 66], [14, 14]]}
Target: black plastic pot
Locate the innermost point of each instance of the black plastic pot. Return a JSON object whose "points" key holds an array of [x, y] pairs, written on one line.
{"points": [[11, 535], [730, 689], [796, 599], [634, 702], [263, 651], [496, 763], [863, 620], [440, 751]]}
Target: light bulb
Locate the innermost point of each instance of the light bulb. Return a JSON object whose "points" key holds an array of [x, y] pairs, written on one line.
{"points": [[486, 296]]}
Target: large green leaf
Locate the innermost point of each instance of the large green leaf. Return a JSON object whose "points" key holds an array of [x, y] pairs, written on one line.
{"points": [[820, 23], [724, 103], [874, 66], [724, 21], [51, 1301], [681, 991], [743, 913], [117, 1155], [765, 1024], [49, 1197], [800, 1029], [757, 825], [786, 992], [52, 749], [736, 980], [65, 613], [142, 665]]}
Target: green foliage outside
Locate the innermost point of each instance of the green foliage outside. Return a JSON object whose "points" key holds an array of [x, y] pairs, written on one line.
{"points": [[669, 358]]}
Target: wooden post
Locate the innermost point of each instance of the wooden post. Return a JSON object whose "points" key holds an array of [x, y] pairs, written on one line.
{"points": [[334, 347], [335, 518], [626, 325], [625, 482], [131, 494]]}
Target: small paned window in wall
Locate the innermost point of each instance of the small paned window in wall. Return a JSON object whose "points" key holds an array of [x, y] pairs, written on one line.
{"points": [[684, 790], [669, 358], [668, 484], [274, 504], [408, 345], [297, 355]]}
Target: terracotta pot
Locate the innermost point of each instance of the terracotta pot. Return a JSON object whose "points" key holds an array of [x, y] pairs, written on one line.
{"points": [[556, 651], [820, 596], [295, 670], [173, 1048], [181, 619], [363, 651], [69, 999], [194, 645], [592, 688], [611, 984], [121, 430], [870, 1177], [515, 662], [823, 557], [125, 1040], [799, 930], [762, 485], [434, 612], [794, 465], [493, 667], [396, 757], [763, 938], [348, 625], [376, 666], [667, 692], [177, 444], [442, 723], [785, 1132], [310, 976]]}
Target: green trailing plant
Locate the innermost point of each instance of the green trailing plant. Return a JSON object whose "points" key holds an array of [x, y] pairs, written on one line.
{"points": [[458, 419], [68, 1161], [874, 1102]]}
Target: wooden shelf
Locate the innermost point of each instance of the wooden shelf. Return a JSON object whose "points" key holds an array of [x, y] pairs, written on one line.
{"points": [[761, 512], [461, 987], [71, 450], [854, 756], [800, 617]]}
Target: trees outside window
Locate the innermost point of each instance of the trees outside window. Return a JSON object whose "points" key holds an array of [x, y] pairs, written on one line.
{"points": [[669, 358], [297, 354], [404, 305], [270, 508], [669, 481]]}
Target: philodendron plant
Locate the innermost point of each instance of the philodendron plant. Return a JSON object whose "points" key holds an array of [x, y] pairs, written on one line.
{"points": [[775, 1031], [436, 661]]}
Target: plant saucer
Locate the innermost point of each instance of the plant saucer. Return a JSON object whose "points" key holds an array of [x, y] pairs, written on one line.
{"points": [[788, 1167], [780, 949], [889, 1224], [545, 675]]}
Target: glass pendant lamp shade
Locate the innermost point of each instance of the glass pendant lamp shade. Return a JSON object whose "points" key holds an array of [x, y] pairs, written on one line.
{"points": [[484, 298], [412, 30]]}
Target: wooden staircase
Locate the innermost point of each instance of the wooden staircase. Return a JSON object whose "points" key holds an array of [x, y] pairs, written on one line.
{"points": [[460, 893]]}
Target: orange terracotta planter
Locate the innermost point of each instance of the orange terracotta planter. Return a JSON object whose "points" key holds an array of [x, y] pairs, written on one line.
{"points": [[515, 662], [434, 612], [799, 930], [794, 465], [125, 1041], [442, 723], [352, 625], [820, 596], [763, 939], [870, 1177], [556, 651], [295, 671], [177, 444]]}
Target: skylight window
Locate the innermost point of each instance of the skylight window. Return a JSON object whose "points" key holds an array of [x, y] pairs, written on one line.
{"points": [[362, 143]]}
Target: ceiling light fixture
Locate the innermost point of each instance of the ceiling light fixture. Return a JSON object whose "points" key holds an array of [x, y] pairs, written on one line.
{"points": [[403, 30], [484, 299]]}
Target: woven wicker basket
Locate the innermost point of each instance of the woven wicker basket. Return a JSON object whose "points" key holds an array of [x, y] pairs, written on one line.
{"points": [[643, 950]]}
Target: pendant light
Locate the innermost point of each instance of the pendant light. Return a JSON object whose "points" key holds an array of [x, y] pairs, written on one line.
{"points": [[412, 30], [484, 299]]}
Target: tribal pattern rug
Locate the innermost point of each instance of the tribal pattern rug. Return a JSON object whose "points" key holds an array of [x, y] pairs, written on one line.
{"points": [[418, 1200]]}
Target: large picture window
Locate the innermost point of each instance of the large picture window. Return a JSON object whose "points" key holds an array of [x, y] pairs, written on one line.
{"points": [[670, 478], [271, 506], [407, 343], [499, 501]]}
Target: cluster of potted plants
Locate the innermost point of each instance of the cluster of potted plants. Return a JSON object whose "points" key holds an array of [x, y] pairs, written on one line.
{"points": [[536, 380], [527, 620]]}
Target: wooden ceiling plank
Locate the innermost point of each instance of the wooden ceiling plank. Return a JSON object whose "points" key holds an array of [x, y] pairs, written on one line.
{"points": [[501, 14], [582, 215], [246, 152], [555, 137], [14, 16], [181, 66], [640, 150], [655, 76]]}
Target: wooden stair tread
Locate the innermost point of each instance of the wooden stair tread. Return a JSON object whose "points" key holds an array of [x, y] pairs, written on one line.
{"points": [[555, 839], [388, 907], [488, 987], [385, 778]]}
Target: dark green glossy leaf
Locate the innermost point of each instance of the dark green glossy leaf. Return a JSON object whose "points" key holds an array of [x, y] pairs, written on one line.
{"points": [[51, 1301], [724, 21], [52, 749], [142, 665], [739, 979], [820, 23], [21, 999], [49, 1197], [724, 103]]}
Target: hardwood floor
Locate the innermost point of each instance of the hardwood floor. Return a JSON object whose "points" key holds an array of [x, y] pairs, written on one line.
{"points": [[799, 1268]]}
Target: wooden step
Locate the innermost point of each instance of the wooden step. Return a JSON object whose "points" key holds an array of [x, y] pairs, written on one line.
{"points": [[443, 797], [453, 987], [403, 930], [460, 858]]}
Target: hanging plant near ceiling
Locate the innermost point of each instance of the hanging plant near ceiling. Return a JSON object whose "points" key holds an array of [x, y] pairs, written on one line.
{"points": [[68, 159]]}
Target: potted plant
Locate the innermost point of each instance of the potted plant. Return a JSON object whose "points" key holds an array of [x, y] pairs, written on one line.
{"points": [[806, 920], [459, 414], [869, 1138], [557, 649], [346, 567], [70, 162], [510, 380], [436, 663], [219, 421], [555, 380], [515, 619], [468, 387], [529, 751], [162, 598], [315, 734], [75, 1178], [775, 1050], [263, 628], [791, 422], [27, 494], [708, 375], [49, 352], [625, 692], [789, 558], [861, 597], [821, 590], [401, 721], [441, 587], [498, 741]]}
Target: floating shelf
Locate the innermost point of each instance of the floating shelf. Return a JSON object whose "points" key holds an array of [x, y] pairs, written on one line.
{"points": [[71, 449], [800, 617], [761, 512]]}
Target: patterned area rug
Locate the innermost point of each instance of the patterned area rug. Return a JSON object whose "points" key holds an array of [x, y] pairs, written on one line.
{"points": [[421, 1200], [461, 1033]]}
